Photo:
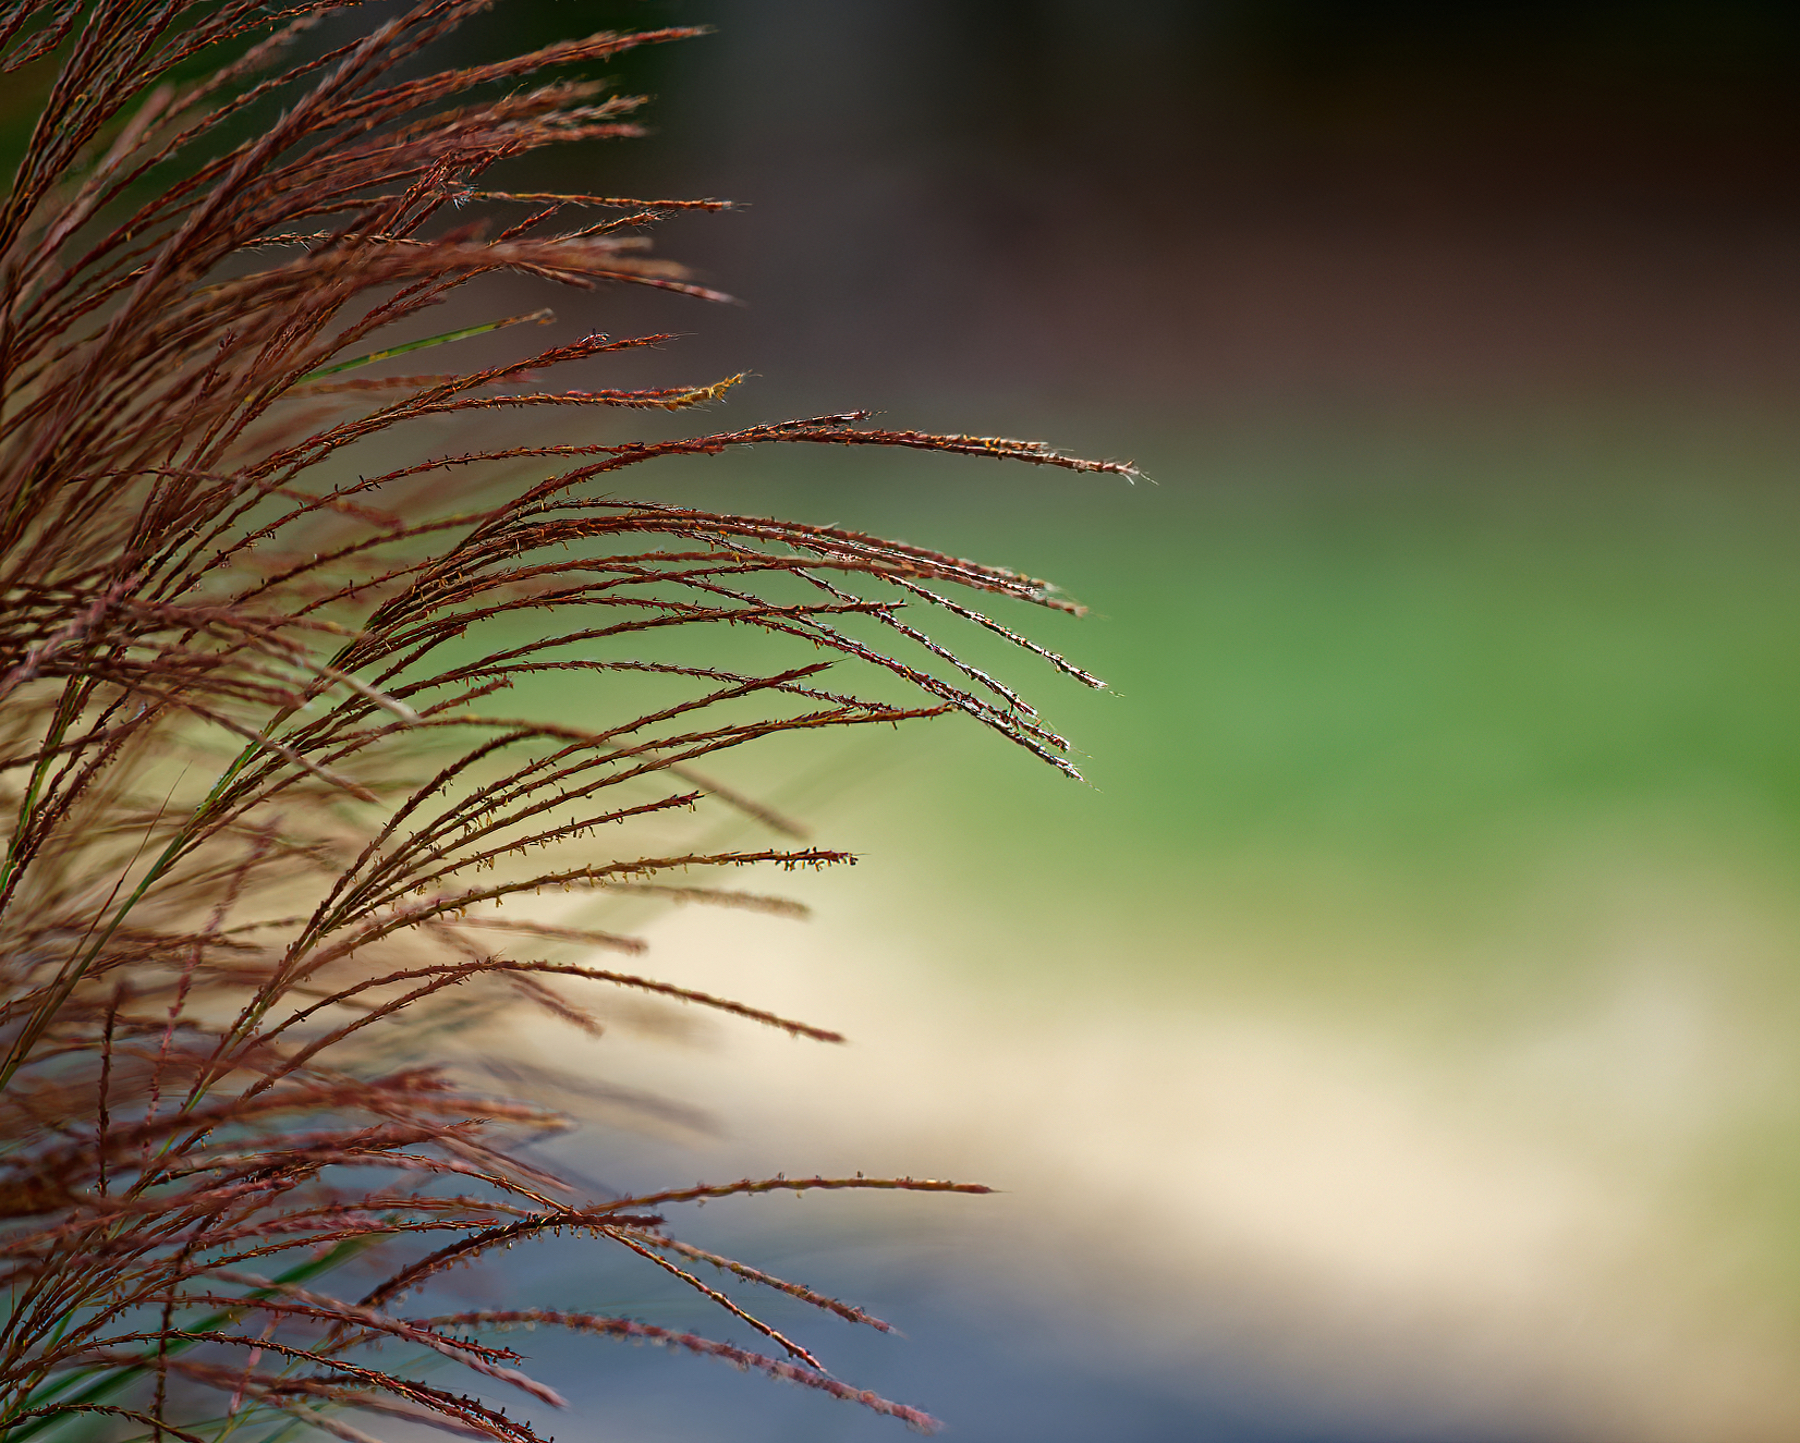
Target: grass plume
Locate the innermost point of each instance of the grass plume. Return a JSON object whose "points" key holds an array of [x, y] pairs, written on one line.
{"points": [[264, 796]]}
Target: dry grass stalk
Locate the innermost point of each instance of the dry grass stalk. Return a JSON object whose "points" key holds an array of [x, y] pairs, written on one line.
{"points": [[262, 803]]}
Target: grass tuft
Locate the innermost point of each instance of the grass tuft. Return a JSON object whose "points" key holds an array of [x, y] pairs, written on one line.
{"points": [[264, 797]]}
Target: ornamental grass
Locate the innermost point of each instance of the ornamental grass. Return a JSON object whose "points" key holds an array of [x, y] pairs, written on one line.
{"points": [[275, 830]]}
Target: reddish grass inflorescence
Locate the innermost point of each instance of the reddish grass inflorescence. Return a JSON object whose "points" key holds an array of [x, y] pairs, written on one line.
{"points": [[263, 802]]}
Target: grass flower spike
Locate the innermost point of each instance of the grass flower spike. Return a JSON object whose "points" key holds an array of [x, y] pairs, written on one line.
{"points": [[267, 803]]}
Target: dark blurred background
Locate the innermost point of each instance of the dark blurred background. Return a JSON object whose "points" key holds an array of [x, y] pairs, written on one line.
{"points": [[1156, 206]]}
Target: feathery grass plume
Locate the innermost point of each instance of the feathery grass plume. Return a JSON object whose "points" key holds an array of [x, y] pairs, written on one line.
{"points": [[264, 798]]}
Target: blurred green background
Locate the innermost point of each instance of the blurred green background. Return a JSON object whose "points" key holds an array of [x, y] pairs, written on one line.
{"points": [[1395, 1037]]}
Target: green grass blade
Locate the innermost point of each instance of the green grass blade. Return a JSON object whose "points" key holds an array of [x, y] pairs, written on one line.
{"points": [[110, 1380], [542, 317]]}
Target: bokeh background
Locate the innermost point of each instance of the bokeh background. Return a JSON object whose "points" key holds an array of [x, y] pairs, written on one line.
{"points": [[1396, 1038]]}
